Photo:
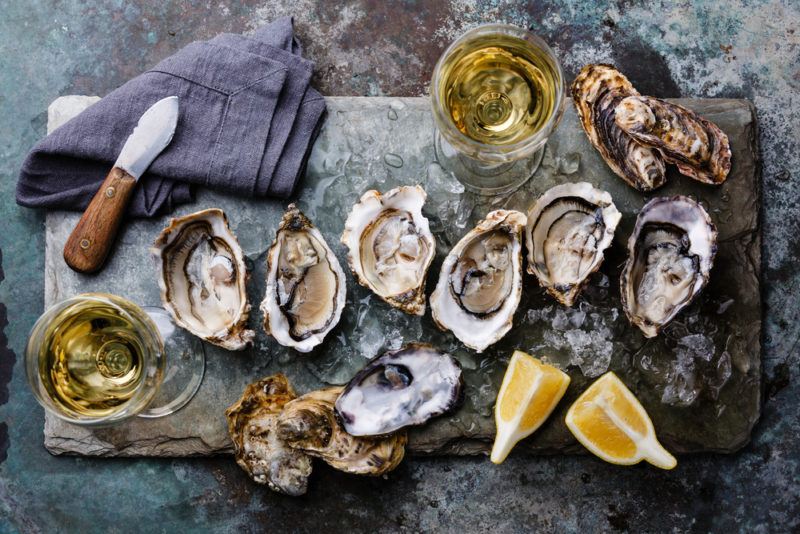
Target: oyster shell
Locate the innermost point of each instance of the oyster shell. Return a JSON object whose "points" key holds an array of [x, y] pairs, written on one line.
{"points": [[400, 388], [202, 278], [480, 283], [252, 424], [697, 146], [596, 92], [390, 246], [306, 286], [308, 423], [670, 254], [569, 228]]}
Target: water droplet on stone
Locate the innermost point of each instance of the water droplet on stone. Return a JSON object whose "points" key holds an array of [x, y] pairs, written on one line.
{"points": [[393, 160]]}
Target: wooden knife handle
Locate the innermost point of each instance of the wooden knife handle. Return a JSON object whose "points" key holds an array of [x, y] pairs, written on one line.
{"points": [[89, 243]]}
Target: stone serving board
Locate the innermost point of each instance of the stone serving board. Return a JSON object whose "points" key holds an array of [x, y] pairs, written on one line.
{"points": [[700, 380]]}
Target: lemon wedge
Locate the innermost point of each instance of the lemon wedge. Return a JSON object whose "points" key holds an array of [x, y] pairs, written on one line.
{"points": [[609, 421], [528, 395]]}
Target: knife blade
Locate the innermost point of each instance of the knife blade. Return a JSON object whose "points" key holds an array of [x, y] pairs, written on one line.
{"points": [[88, 245]]}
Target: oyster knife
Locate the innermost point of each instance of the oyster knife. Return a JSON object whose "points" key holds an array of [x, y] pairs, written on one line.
{"points": [[89, 243]]}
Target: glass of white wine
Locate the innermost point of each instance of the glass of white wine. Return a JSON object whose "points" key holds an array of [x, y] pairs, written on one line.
{"points": [[497, 94], [97, 359]]}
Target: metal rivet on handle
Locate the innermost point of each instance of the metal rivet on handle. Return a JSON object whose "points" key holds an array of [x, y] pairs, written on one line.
{"points": [[85, 243], [110, 192]]}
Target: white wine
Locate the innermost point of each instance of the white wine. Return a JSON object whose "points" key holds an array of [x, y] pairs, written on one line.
{"points": [[91, 359], [499, 89]]}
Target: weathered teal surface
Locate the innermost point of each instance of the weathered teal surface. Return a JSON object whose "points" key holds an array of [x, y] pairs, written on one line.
{"points": [[738, 49]]}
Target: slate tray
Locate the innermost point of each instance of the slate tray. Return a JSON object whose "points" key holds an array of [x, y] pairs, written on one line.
{"points": [[700, 380]]}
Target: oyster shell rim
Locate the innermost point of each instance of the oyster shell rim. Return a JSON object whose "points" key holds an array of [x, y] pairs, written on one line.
{"points": [[412, 301], [491, 221], [308, 344], [456, 400], [610, 214], [236, 336], [705, 266]]}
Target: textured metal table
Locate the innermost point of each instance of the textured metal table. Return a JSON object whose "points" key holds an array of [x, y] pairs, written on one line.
{"points": [[742, 49]]}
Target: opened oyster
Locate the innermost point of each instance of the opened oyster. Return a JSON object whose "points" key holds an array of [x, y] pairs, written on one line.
{"points": [[697, 146], [252, 424], [400, 388], [480, 283], [391, 246], [308, 423], [569, 228], [202, 278], [670, 255], [306, 288], [596, 92]]}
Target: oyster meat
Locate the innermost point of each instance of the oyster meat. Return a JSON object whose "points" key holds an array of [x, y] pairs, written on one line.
{"points": [[252, 424], [306, 286], [670, 254], [202, 278], [596, 92], [390, 246], [569, 228], [308, 423], [400, 388], [697, 146], [480, 283]]}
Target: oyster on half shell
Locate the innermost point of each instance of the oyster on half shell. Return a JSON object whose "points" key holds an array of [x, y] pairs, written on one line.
{"points": [[390, 246], [569, 228], [596, 92], [670, 254], [308, 423], [252, 424], [480, 283], [697, 146], [306, 286], [202, 278]]}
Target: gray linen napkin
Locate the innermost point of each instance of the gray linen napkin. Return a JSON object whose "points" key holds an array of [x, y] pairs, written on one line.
{"points": [[248, 119]]}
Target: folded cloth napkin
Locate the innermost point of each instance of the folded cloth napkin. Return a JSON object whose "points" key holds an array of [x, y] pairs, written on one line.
{"points": [[248, 119]]}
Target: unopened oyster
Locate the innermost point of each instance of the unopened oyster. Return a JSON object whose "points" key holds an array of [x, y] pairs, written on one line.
{"points": [[670, 254], [480, 283], [596, 92], [569, 228], [202, 278], [252, 424], [697, 146], [390, 246], [400, 388], [308, 423], [306, 287]]}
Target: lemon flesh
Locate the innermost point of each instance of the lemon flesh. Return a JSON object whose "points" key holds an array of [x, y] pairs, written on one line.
{"points": [[529, 394], [609, 421]]}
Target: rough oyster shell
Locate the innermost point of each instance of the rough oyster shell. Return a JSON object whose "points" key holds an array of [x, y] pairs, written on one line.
{"points": [[390, 246], [400, 388], [308, 423], [569, 228], [252, 424], [697, 146], [202, 277], [670, 255], [596, 92], [306, 287], [480, 283]]}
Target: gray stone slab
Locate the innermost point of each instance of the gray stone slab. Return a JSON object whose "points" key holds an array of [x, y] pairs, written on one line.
{"points": [[700, 381]]}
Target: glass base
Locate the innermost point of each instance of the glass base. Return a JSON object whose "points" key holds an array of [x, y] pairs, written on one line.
{"points": [[487, 179], [184, 369]]}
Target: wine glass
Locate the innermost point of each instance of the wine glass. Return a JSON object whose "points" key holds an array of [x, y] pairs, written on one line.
{"points": [[96, 359], [497, 93]]}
